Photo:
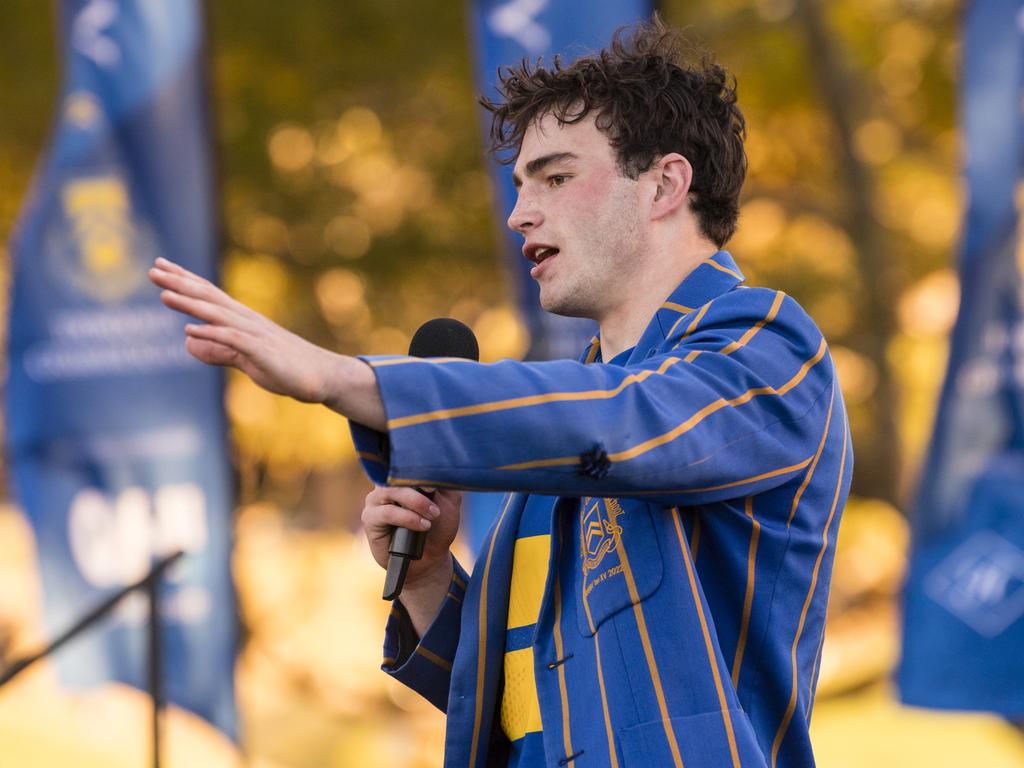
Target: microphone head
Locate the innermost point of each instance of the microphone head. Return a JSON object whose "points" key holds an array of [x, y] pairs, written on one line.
{"points": [[444, 337]]}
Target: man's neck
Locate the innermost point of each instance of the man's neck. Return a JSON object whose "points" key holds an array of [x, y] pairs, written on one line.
{"points": [[623, 324]]}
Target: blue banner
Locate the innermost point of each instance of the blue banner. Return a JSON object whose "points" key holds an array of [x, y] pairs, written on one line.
{"points": [[116, 437], [964, 600], [504, 33]]}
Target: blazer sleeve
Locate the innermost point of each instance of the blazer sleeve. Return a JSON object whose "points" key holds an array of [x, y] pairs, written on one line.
{"points": [[425, 663], [732, 404]]}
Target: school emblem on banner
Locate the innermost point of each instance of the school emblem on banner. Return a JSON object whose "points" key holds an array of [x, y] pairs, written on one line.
{"points": [[97, 245], [981, 582]]}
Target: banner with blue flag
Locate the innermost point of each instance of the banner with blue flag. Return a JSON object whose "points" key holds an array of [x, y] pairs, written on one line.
{"points": [[964, 599], [116, 437], [504, 33]]}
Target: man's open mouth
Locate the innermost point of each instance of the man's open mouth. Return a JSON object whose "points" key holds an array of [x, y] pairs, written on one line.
{"points": [[537, 254]]}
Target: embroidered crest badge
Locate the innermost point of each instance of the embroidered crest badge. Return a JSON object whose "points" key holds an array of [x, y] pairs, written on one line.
{"points": [[599, 531]]}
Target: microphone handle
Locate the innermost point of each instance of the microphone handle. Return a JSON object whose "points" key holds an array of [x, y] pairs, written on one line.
{"points": [[405, 545]]}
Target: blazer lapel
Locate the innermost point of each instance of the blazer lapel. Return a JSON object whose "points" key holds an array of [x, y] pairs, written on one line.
{"points": [[478, 668]]}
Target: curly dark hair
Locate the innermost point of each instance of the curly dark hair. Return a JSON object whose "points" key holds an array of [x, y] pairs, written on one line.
{"points": [[651, 98]]}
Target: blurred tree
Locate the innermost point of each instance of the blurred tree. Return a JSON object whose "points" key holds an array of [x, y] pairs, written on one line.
{"points": [[851, 198], [356, 205], [28, 90], [844, 103]]}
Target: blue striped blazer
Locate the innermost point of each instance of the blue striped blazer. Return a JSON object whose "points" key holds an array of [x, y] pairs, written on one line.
{"points": [[695, 493]]}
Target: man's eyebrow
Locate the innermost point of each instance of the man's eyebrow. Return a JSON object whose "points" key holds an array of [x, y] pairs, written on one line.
{"points": [[538, 164]]}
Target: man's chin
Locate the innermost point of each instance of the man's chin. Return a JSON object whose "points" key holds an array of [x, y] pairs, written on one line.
{"points": [[564, 307]]}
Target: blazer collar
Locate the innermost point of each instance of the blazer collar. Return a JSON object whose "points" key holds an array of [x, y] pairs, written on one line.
{"points": [[709, 280]]}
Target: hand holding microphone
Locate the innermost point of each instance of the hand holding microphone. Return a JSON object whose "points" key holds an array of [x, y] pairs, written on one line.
{"points": [[441, 337], [390, 509]]}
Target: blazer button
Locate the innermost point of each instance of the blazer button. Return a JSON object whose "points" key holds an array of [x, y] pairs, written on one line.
{"points": [[595, 462]]}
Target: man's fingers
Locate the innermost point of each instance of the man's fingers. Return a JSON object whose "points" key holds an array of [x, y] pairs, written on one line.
{"points": [[189, 285], [211, 352], [378, 496], [174, 277], [391, 515], [228, 337], [406, 498], [169, 266], [195, 287], [177, 280], [411, 498], [198, 308], [201, 310]]}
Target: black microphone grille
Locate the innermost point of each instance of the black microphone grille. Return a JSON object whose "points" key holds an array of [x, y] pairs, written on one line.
{"points": [[444, 337]]}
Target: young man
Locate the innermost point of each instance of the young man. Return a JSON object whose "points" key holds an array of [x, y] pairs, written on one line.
{"points": [[654, 590]]}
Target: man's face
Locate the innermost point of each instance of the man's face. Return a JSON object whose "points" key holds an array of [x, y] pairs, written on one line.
{"points": [[580, 217]]}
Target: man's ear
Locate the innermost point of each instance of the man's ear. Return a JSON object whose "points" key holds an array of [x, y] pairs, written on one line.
{"points": [[672, 175]]}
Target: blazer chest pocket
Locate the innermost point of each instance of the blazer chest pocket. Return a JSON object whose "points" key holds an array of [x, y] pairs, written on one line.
{"points": [[619, 559]]}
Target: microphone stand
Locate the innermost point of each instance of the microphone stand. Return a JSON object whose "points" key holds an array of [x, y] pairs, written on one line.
{"points": [[150, 583]]}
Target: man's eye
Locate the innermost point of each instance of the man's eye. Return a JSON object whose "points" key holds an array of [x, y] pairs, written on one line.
{"points": [[557, 179]]}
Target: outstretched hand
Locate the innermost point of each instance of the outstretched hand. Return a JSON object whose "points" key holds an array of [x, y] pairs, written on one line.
{"points": [[232, 334]]}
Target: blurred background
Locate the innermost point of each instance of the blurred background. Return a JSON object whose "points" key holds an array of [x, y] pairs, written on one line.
{"points": [[356, 204]]}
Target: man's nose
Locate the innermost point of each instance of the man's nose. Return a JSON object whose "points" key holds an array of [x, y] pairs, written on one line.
{"points": [[525, 215]]}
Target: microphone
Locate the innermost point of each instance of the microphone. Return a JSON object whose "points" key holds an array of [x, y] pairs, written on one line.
{"points": [[440, 337]]}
